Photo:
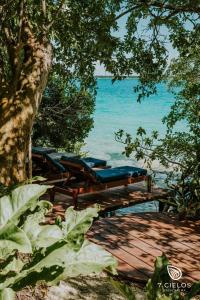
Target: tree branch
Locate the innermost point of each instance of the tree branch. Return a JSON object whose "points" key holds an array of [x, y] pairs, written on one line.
{"points": [[55, 15], [44, 9], [21, 17], [127, 11], [161, 5]]}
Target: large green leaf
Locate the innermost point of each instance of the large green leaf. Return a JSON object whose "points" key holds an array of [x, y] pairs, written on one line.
{"points": [[64, 262], [195, 290], [21, 199], [41, 236], [124, 289], [7, 294], [15, 265], [77, 223], [13, 238], [59, 251], [91, 258]]}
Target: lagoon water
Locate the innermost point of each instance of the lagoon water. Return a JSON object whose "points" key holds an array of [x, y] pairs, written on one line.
{"points": [[117, 108]]}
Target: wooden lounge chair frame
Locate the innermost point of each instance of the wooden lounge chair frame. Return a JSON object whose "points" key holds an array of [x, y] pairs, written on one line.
{"points": [[73, 188], [52, 171]]}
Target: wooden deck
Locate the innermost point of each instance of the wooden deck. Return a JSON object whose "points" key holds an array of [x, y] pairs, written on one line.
{"points": [[109, 200], [137, 239]]}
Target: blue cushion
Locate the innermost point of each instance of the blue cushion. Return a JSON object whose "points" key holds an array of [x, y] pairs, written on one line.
{"points": [[42, 150], [81, 162], [94, 162], [119, 173], [57, 155], [56, 163]]}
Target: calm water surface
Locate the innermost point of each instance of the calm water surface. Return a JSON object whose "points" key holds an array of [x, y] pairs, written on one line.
{"points": [[117, 108]]}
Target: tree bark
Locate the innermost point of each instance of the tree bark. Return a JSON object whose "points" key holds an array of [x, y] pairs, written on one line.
{"points": [[18, 108]]}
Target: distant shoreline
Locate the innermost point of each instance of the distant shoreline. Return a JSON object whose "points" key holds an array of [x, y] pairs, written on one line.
{"points": [[110, 76]]}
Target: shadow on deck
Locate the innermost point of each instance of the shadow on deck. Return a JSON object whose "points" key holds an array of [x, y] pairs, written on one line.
{"points": [[136, 240]]}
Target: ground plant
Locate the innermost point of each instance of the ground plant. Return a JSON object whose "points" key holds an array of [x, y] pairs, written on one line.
{"points": [[32, 252], [157, 288]]}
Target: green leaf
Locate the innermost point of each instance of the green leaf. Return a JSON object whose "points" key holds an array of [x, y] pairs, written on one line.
{"points": [[64, 262], [124, 289], [7, 294], [91, 258], [77, 223], [59, 251], [20, 200], [41, 236], [36, 178], [13, 266], [13, 238], [195, 290], [154, 287]]}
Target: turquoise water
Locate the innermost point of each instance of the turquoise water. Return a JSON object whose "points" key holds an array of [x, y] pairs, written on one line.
{"points": [[117, 108]]}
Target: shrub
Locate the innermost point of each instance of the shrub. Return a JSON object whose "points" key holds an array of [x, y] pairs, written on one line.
{"points": [[52, 252], [155, 287]]}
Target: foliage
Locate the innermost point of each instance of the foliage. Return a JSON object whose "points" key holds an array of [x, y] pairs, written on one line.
{"points": [[81, 33], [177, 151], [54, 252], [124, 289], [64, 118], [84, 32], [156, 286]]}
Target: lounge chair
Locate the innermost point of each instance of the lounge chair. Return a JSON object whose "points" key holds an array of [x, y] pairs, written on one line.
{"points": [[39, 160], [46, 162], [88, 180], [49, 162]]}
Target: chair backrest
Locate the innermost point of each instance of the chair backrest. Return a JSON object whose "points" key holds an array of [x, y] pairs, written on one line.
{"points": [[57, 155], [42, 150], [78, 167], [54, 164]]}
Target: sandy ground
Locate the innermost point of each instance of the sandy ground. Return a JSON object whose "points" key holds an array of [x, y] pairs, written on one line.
{"points": [[82, 288]]}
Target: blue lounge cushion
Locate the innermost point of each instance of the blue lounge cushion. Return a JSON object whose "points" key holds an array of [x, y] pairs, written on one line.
{"points": [[119, 173], [86, 162], [56, 163], [57, 155], [108, 175], [80, 162], [42, 150], [94, 162]]}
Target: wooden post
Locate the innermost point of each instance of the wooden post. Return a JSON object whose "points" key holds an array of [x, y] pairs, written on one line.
{"points": [[75, 198], [52, 194], [149, 184]]}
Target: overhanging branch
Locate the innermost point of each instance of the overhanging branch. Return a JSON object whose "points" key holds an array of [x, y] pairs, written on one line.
{"points": [[156, 4], [55, 15]]}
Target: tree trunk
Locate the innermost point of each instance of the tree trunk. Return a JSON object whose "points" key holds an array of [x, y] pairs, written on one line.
{"points": [[18, 109]]}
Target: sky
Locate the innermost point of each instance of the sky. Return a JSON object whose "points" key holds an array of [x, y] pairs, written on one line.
{"points": [[100, 70]]}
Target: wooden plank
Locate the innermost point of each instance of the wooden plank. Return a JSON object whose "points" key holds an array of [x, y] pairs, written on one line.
{"points": [[129, 245], [127, 234], [184, 226], [151, 236], [146, 252], [144, 270], [130, 272], [181, 234]]}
